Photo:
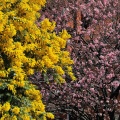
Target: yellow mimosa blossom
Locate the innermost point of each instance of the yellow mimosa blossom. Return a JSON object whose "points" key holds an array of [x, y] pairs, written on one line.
{"points": [[72, 75], [38, 106], [65, 35], [26, 47], [10, 30], [45, 24], [47, 61], [20, 83], [69, 68], [59, 70], [16, 110], [12, 88], [0, 83], [25, 117], [39, 112], [50, 115], [14, 117], [6, 107], [32, 93], [1, 15], [5, 117], [3, 73], [61, 79], [0, 107], [30, 72]]}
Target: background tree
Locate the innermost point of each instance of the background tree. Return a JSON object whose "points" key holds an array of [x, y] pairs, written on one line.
{"points": [[96, 50]]}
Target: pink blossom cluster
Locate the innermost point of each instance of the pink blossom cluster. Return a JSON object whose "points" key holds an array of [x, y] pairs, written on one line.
{"points": [[96, 54]]}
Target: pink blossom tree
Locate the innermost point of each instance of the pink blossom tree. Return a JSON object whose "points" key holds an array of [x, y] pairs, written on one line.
{"points": [[96, 54]]}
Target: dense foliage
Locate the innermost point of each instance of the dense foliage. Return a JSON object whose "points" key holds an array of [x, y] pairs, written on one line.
{"points": [[24, 49], [96, 53]]}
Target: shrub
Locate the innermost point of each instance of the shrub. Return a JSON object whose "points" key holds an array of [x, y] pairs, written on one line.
{"points": [[25, 48]]}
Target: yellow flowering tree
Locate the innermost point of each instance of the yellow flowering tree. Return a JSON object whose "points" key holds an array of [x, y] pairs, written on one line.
{"points": [[24, 49]]}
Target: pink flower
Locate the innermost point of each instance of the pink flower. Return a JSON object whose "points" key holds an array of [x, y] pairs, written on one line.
{"points": [[92, 90], [101, 101], [109, 14], [95, 21], [105, 2], [115, 83], [82, 6], [77, 85], [109, 76], [109, 90], [96, 10], [102, 57], [115, 101]]}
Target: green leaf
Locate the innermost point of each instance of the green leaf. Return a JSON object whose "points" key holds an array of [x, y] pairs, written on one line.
{"points": [[45, 77]]}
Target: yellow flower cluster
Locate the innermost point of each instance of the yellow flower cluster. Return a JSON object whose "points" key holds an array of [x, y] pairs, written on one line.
{"points": [[49, 115], [16, 110], [47, 25], [5, 107], [33, 94], [31, 107], [64, 34], [59, 70], [3, 73], [11, 88], [25, 48]]}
